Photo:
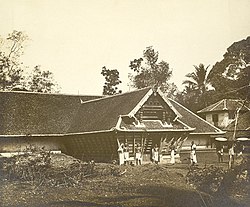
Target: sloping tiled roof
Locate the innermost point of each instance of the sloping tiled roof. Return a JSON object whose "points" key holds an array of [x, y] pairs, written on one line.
{"points": [[103, 114], [194, 120], [243, 122], [225, 104], [242, 127], [23, 113]]}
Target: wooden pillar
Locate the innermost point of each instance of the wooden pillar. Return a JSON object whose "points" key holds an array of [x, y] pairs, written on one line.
{"points": [[133, 143]]}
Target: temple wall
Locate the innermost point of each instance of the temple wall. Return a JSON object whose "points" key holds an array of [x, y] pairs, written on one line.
{"points": [[13, 145]]}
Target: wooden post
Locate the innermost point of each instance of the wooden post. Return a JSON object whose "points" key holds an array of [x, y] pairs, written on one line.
{"points": [[133, 143]]}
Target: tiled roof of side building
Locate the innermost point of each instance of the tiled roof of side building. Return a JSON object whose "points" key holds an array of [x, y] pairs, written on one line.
{"points": [[103, 114], [24, 113], [194, 121], [226, 104], [243, 122], [242, 127]]}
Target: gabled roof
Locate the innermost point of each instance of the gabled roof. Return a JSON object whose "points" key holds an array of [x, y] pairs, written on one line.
{"points": [[103, 114], [193, 120], [225, 105], [24, 113]]}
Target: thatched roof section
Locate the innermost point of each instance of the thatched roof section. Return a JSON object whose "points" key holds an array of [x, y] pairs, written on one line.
{"points": [[242, 127], [103, 114], [23, 113], [194, 121]]}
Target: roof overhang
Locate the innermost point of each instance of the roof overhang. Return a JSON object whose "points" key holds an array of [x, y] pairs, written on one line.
{"points": [[55, 135], [30, 135], [208, 133], [157, 130]]}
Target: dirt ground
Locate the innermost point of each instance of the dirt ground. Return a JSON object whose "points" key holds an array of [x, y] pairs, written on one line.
{"points": [[146, 185]]}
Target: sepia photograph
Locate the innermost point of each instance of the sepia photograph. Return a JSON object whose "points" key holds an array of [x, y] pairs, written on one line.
{"points": [[124, 103]]}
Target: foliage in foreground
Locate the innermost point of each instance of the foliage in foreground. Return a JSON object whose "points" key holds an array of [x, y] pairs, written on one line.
{"points": [[35, 167], [214, 179]]}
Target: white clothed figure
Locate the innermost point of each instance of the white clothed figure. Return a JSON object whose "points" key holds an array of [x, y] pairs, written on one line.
{"points": [[193, 157], [126, 153], [121, 154], [172, 158], [155, 154], [138, 155], [172, 153]]}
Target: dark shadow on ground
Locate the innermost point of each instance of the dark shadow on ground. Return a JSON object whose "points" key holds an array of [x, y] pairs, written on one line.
{"points": [[74, 204], [171, 197]]}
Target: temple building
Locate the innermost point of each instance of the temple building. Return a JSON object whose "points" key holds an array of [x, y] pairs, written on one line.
{"points": [[93, 127]]}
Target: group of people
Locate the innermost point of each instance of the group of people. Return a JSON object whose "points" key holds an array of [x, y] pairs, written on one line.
{"points": [[233, 148], [123, 152], [124, 158]]}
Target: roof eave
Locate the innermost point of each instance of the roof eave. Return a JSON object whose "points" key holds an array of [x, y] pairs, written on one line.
{"points": [[208, 133], [156, 130], [55, 135], [215, 128]]}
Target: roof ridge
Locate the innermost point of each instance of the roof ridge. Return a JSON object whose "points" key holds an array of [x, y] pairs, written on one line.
{"points": [[218, 103], [217, 129], [50, 94], [227, 100], [206, 108], [116, 95]]}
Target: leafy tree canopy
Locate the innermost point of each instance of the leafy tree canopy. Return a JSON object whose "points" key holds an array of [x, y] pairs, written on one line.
{"points": [[112, 79], [229, 78], [232, 73], [12, 70], [42, 81], [149, 72]]}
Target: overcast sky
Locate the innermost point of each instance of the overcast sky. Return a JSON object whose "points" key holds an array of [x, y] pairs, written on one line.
{"points": [[75, 38]]}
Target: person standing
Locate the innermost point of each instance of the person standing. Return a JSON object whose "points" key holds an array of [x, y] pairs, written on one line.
{"points": [[220, 152], [126, 153], [172, 152], [231, 154], [121, 154], [193, 157], [155, 154], [138, 154]]}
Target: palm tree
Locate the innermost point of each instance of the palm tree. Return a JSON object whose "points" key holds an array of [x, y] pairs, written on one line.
{"points": [[197, 84], [199, 79]]}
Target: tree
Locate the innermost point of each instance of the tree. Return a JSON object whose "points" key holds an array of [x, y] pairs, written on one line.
{"points": [[12, 76], [11, 68], [112, 80], [42, 81], [231, 76], [197, 87], [150, 73], [199, 79]]}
